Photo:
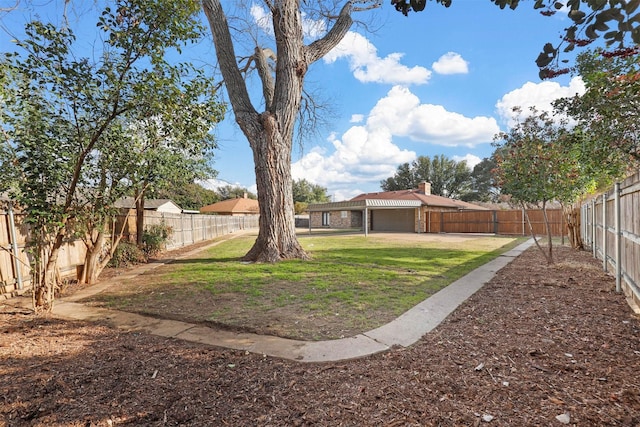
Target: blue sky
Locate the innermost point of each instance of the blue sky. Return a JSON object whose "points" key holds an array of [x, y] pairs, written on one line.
{"points": [[438, 82], [442, 81]]}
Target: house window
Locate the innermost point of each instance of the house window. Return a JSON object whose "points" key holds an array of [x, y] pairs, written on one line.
{"points": [[325, 218], [343, 214]]}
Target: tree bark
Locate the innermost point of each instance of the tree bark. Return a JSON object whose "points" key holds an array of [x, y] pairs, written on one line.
{"points": [[276, 238], [572, 216]]}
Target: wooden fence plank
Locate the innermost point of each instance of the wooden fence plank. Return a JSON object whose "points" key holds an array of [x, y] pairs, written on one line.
{"points": [[629, 261]]}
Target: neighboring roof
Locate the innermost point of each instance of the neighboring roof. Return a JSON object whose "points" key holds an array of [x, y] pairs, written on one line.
{"points": [[151, 204], [425, 199], [233, 206]]}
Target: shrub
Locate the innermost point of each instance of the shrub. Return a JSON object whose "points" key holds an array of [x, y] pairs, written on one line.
{"points": [[127, 254], [155, 238]]}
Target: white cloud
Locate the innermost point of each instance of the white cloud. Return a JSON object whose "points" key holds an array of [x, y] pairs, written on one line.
{"points": [[367, 66], [262, 18], [356, 118], [403, 115], [472, 160], [360, 157], [451, 63], [366, 153], [539, 95]]}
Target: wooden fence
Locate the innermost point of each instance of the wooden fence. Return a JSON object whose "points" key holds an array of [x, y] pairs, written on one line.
{"points": [[187, 229], [507, 222], [611, 228]]}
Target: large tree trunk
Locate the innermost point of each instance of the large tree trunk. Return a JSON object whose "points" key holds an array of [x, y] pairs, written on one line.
{"points": [[277, 238], [270, 133]]}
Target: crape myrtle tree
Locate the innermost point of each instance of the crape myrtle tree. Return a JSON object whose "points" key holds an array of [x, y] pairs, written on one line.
{"points": [[448, 178], [609, 110], [282, 64], [607, 131], [68, 122], [539, 162]]}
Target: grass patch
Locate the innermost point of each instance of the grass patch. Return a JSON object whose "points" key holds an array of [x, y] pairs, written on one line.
{"points": [[351, 284]]}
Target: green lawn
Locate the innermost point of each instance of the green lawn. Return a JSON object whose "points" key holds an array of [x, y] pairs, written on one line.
{"points": [[351, 284]]}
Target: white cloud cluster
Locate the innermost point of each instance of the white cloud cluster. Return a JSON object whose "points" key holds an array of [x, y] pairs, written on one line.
{"points": [[361, 156], [451, 63], [403, 115], [539, 95], [368, 67], [367, 154]]}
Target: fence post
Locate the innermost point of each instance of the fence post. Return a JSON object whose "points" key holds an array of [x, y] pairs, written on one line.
{"points": [[193, 230], [594, 228], [495, 222], [604, 231], [14, 246], [618, 241]]}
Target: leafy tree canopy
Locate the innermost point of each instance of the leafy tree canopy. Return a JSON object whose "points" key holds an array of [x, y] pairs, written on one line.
{"points": [[306, 192], [609, 110], [190, 196], [448, 178], [484, 187], [234, 192]]}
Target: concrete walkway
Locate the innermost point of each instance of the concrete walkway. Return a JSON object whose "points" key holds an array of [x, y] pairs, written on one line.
{"points": [[404, 331]]}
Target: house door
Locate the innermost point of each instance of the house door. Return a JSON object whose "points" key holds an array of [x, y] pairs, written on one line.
{"points": [[325, 218]]}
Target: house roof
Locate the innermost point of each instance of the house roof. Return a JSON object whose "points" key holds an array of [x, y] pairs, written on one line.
{"points": [[425, 199], [364, 203], [233, 206]]}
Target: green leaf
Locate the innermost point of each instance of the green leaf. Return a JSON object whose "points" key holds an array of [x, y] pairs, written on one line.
{"points": [[631, 6], [577, 16], [418, 5]]}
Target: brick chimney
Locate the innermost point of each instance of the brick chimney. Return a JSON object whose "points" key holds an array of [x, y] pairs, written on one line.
{"points": [[424, 188]]}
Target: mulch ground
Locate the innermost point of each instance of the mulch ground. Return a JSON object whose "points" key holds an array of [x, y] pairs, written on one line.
{"points": [[537, 346]]}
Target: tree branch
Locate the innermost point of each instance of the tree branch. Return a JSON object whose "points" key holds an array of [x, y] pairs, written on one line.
{"points": [[321, 47], [236, 88]]}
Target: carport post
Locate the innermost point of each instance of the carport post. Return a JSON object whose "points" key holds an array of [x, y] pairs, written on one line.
{"points": [[366, 222]]}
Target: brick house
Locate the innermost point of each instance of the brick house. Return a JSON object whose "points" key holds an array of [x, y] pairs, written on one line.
{"points": [[403, 210]]}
